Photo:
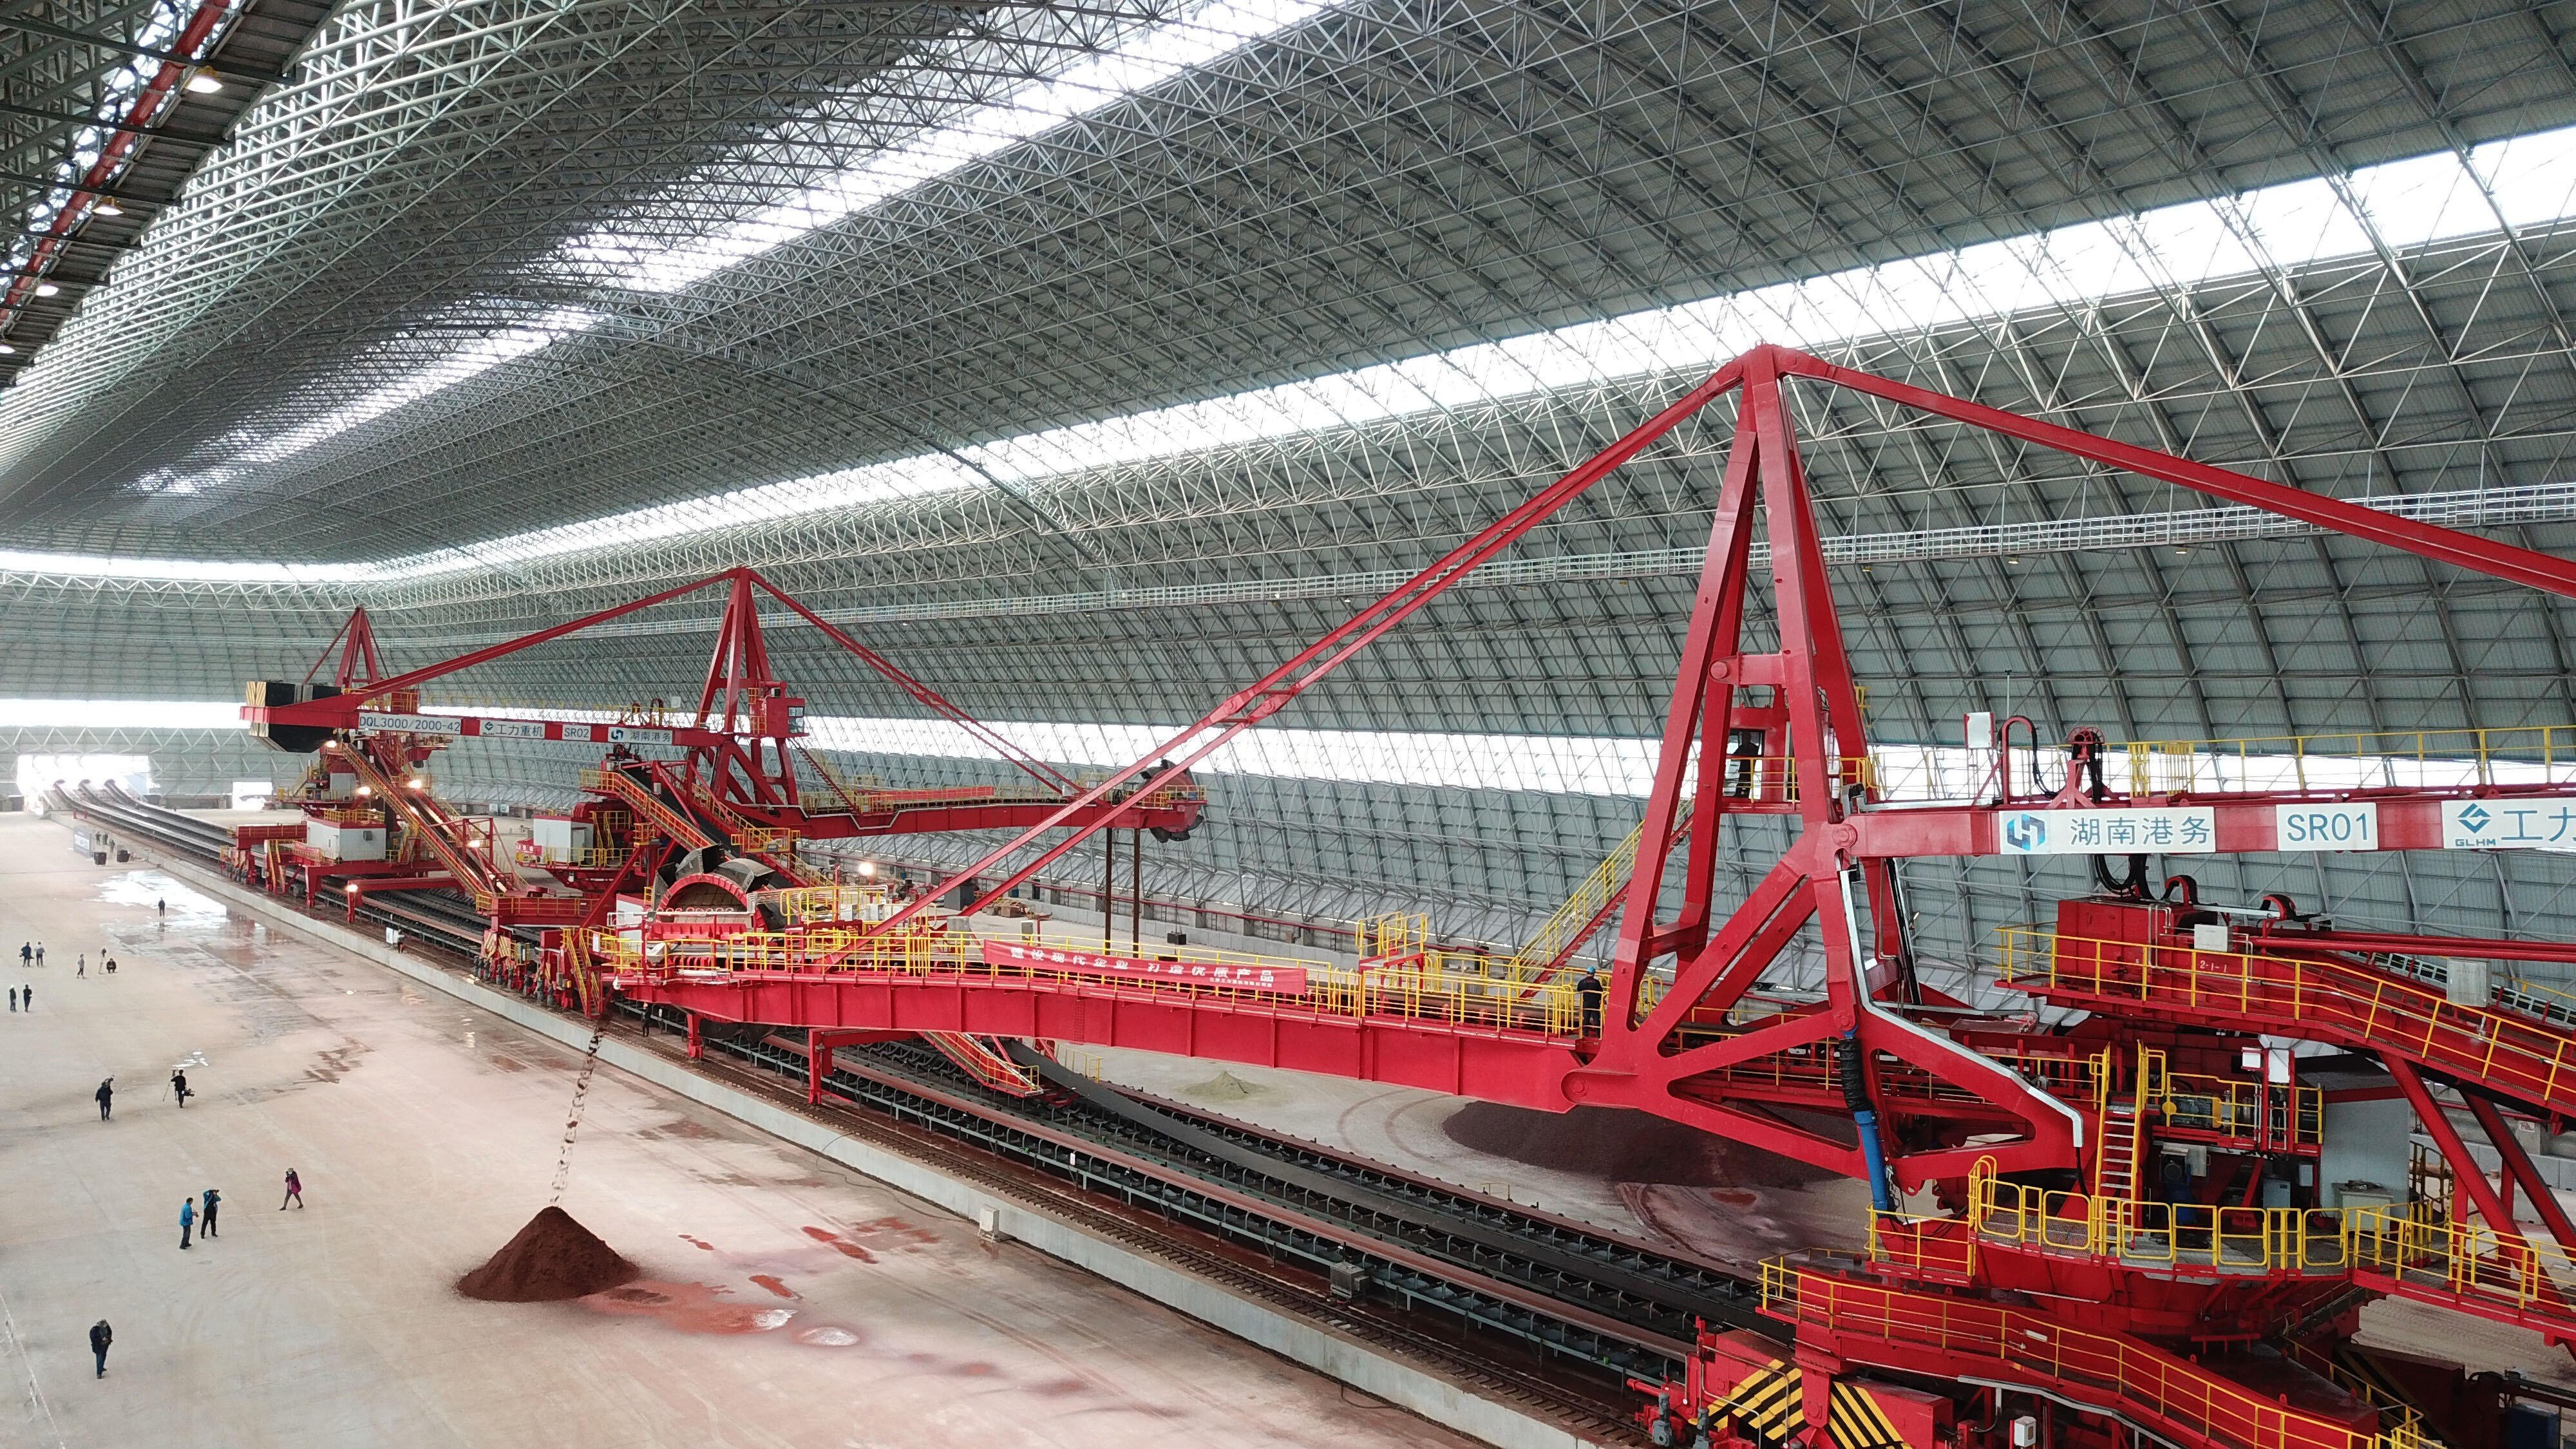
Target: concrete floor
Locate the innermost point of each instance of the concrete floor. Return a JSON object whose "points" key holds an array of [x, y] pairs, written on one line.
{"points": [[804, 1305]]}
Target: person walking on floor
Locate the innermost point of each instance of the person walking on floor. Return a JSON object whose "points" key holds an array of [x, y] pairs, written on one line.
{"points": [[179, 1086], [294, 1190], [100, 1336], [13, 998], [111, 965], [106, 1095], [83, 965], [206, 1216], [27, 996], [187, 1220], [26, 953]]}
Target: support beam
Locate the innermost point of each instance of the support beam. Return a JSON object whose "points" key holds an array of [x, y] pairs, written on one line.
{"points": [[2446, 1137], [2521, 1169]]}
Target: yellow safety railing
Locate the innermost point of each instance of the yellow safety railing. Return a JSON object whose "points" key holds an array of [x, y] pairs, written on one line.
{"points": [[1391, 935], [1556, 935], [356, 816], [2420, 759], [597, 857], [1921, 1246], [2533, 1059], [2226, 1239], [2231, 1108], [2418, 1248], [767, 840], [1773, 779], [2135, 1377], [1429, 992], [815, 905]]}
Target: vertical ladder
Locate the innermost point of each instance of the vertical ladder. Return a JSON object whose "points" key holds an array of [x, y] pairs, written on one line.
{"points": [[2123, 1117]]}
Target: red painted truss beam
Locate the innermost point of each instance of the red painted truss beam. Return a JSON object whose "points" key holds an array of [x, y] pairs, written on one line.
{"points": [[1832, 882]]}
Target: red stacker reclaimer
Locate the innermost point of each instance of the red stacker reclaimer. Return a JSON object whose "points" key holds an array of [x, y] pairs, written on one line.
{"points": [[694, 818], [2149, 1214]]}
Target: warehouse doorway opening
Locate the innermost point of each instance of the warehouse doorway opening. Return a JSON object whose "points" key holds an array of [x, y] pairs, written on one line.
{"points": [[40, 773]]}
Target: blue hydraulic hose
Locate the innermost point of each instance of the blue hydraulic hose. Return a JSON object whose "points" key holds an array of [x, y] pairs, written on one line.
{"points": [[1856, 1095]]}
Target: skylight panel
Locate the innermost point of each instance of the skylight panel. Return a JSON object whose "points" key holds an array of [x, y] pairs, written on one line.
{"points": [[1147, 58], [2297, 224]]}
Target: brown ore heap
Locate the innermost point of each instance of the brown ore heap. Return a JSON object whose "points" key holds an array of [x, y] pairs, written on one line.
{"points": [[553, 1257]]}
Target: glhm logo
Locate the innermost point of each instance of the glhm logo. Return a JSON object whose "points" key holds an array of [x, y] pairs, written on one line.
{"points": [[2025, 832]]}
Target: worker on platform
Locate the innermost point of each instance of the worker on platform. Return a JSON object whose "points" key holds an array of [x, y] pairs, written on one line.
{"points": [[106, 1095], [100, 1336], [206, 1215], [1590, 990], [179, 1086], [187, 1220], [294, 1190]]}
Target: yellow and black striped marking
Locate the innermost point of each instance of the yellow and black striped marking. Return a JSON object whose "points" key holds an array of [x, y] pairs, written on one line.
{"points": [[1768, 1404], [1858, 1422]]}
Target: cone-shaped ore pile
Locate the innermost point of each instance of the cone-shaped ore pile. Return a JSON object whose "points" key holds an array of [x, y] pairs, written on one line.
{"points": [[553, 1257]]}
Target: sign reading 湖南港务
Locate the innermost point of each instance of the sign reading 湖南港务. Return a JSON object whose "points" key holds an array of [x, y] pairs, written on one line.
{"points": [[2170, 829]]}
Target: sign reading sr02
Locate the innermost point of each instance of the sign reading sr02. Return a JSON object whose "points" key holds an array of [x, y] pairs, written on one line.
{"points": [[2352, 826]]}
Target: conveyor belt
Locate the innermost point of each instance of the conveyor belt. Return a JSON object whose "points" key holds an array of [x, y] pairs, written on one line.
{"points": [[445, 916]]}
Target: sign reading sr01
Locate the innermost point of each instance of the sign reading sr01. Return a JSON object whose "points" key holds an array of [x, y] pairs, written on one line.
{"points": [[2326, 827]]}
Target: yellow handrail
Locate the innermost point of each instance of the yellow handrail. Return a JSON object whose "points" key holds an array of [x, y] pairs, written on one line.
{"points": [[2181, 1235], [2132, 1375], [2423, 759], [2533, 1057], [2417, 1248], [1433, 990]]}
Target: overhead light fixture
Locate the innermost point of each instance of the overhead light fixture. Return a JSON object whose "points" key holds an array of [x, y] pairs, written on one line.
{"points": [[366, 789], [203, 83], [46, 289], [7, 351], [867, 868], [106, 206]]}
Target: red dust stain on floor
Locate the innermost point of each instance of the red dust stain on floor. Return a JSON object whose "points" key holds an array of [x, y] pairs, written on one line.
{"points": [[843, 1246], [770, 1282], [688, 1307], [890, 1233], [698, 1242]]}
